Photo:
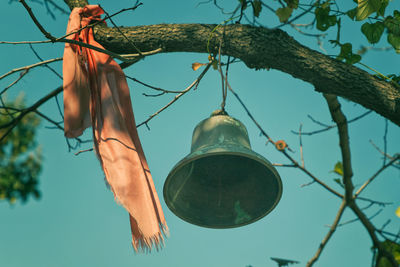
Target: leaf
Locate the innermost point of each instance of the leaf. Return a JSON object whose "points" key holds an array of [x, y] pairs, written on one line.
{"points": [[373, 31], [366, 8], [394, 40], [338, 168], [284, 13], [398, 212], [214, 64], [382, 9], [352, 13], [391, 247], [346, 54], [197, 65], [292, 3], [392, 24], [324, 20], [257, 7]]}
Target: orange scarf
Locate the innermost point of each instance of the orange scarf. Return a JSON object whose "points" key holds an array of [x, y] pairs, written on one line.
{"points": [[94, 82]]}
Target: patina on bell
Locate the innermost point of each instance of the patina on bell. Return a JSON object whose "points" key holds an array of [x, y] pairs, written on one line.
{"points": [[222, 183]]}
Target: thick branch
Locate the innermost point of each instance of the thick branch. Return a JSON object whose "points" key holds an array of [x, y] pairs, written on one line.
{"points": [[261, 48]]}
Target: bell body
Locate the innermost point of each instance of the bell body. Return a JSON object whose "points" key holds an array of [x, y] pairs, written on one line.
{"points": [[222, 183]]}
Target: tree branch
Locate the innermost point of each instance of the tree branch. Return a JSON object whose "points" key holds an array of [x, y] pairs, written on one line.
{"points": [[328, 235], [262, 48], [341, 122]]}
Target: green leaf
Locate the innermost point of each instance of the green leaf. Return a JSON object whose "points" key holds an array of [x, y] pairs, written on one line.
{"points": [[292, 3], [373, 31], [366, 8], [346, 53], [324, 20], [338, 168], [391, 247], [392, 24], [284, 13], [214, 64], [382, 9], [352, 13], [394, 40], [338, 181], [257, 7]]}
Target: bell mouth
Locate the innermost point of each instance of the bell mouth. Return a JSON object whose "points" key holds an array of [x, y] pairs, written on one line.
{"points": [[220, 188]]}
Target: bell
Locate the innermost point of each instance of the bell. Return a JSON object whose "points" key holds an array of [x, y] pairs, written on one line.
{"points": [[222, 183]]}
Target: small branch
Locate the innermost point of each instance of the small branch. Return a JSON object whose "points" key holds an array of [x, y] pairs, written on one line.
{"points": [[152, 87], [396, 158], [53, 39], [341, 122], [37, 23], [119, 30], [82, 151], [301, 147], [328, 235], [283, 151], [25, 42], [328, 127], [383, 153], [284, 165], [30, 66], [357, 219], [10, 125], [385, 141], [379, 203], [46, 66], [194, 84], [21, 75]]}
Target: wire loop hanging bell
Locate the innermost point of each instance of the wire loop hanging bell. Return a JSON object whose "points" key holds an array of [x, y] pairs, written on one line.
{"points": [[222, 183]]}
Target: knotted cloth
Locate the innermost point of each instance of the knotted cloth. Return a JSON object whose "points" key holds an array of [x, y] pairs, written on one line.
{"points": [[96, 94]]}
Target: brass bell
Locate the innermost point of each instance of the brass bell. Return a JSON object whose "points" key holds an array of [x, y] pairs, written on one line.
{"points": [[222, 183]]}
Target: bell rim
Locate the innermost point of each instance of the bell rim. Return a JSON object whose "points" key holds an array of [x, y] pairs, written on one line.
{"points": [[190, 157]]}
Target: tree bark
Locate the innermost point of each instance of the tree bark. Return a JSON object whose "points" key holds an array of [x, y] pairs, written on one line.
{"points": [[261, 48]]}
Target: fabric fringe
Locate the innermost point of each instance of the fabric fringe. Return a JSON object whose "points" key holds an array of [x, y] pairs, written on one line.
{"points": [[145, 244]]}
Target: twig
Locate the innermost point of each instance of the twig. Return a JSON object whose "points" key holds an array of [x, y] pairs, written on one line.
{"points": [[328, 127], [31, 66], [153, 87], [357, 219], [82, 151], [53, 39], [396, 158], [385, 141], [379, 203], [25, 42], [46, 65], [283, 151], [383, 153], [307, 184], [119, 30], [194, 84], [301, 146], [21, 75], [284, 165], [40, 27], [10, 125], [328, 235]]}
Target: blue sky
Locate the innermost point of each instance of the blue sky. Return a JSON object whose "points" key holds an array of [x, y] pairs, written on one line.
{"points": [[77, 222]]}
